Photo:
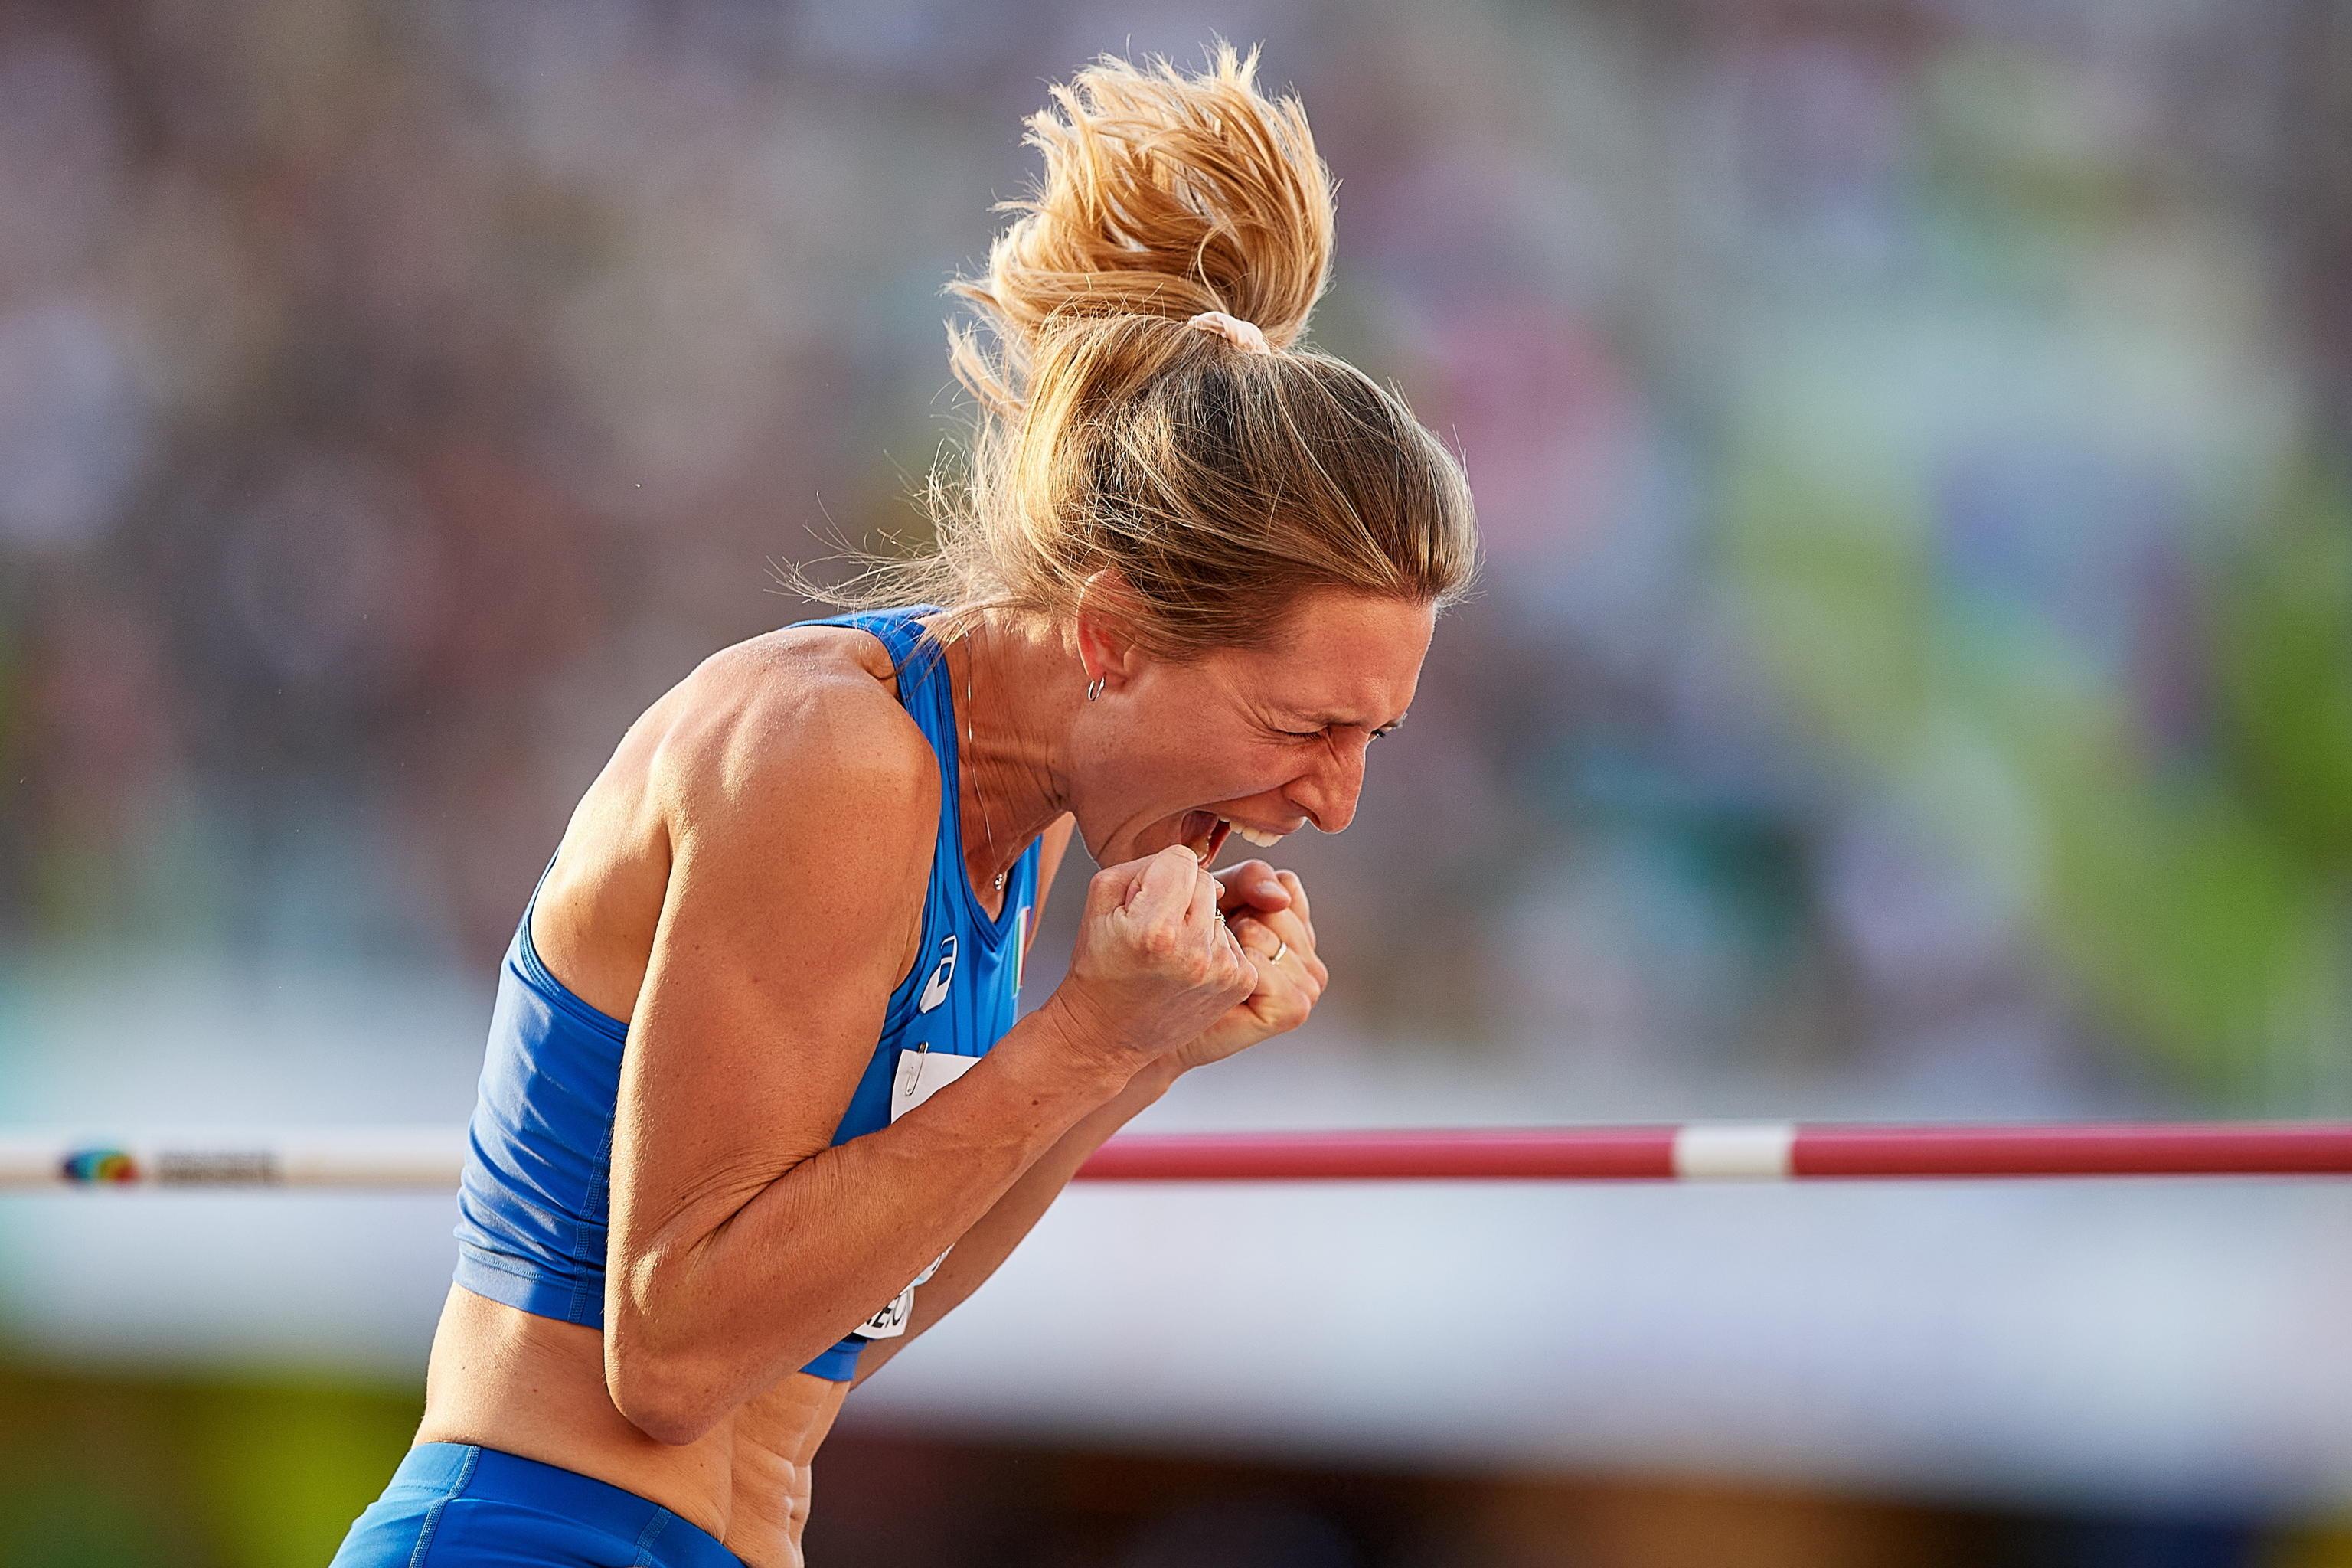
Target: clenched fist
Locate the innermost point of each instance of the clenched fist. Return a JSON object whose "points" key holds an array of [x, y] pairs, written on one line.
{"points": [[1155, 964], [1267, 912]]}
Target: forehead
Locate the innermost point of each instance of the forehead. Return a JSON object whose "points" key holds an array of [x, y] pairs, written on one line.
{"points": [[1345, 655]]}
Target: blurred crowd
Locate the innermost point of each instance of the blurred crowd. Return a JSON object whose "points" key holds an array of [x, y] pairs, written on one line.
{"points": [[1915, 661]]}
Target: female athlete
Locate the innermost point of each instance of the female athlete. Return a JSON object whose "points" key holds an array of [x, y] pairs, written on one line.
{"points": [[756, 1110]]}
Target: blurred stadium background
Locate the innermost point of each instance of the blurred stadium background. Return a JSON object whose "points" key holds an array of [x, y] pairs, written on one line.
{"points": [[1913, 680]]}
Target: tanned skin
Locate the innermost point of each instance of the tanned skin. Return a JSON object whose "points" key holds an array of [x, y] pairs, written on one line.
{"points": [[743, 883]]}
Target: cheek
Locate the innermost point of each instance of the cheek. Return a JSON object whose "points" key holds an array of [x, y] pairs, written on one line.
{"points": [[1253, 770], [1186, 734], [1188, 746], [1202, 762]]}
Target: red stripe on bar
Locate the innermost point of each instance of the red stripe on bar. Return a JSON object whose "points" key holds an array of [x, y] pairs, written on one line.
{"points": [[2114, 1149]]}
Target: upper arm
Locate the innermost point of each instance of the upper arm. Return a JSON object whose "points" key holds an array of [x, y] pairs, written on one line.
{"points": [[802, 832]]}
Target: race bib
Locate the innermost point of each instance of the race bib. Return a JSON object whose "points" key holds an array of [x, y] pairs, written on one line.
{"points": [[921, 1074]]}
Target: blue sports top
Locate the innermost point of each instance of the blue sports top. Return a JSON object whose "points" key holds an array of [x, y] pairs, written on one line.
{"points": [[534, 1197]]}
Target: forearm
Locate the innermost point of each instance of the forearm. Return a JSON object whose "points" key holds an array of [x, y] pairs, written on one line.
{"points": [[995, 1234], [822, 1245]]}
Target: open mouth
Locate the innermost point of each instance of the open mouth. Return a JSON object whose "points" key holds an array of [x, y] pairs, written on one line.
{"points": [[1205, 832]]}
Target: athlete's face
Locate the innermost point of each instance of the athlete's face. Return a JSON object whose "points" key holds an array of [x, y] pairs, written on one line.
{"points": [[1265, 740]]}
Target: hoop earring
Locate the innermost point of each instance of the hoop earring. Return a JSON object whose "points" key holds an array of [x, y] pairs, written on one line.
{"points": [[1095, 688]]}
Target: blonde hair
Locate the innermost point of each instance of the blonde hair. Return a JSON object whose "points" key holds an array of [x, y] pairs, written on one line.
{"points": [[1219, 480]]}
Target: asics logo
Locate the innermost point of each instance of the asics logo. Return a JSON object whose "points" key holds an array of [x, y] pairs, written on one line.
{"points": [[935, 989]]}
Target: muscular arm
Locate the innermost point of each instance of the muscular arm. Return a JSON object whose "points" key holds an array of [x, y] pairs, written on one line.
{"points": [[988, 1244], [743, 1241]]}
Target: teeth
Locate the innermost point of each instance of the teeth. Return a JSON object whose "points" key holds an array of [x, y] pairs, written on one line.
{"points": [[1263, 840]]}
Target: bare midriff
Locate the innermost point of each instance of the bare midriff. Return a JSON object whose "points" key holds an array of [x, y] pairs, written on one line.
{"points": [[535, 1387]]}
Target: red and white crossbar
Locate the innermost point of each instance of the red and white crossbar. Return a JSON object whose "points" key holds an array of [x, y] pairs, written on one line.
{"points": [[391, 1160], [1737, 1151]]}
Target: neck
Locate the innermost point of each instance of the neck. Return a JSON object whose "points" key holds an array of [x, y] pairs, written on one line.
{"points": [[1016, 690]]}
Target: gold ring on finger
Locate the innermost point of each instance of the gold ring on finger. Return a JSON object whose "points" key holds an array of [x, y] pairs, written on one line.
{"points": [[1280, 948]]}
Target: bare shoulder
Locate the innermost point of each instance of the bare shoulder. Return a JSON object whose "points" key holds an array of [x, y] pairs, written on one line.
{"points": [[781, 774], [795, 723]]}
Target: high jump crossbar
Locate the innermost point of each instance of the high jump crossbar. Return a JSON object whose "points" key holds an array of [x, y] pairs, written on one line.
{"points": [[428, 1160]]}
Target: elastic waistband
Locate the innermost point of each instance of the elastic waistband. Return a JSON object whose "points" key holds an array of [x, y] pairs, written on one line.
{"points": [[468, 1469]]}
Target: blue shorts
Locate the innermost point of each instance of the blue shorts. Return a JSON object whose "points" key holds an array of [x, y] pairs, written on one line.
{"points": [[457, 1505]]}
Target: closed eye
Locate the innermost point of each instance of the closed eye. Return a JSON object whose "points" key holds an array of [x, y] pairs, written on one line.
{"points": [[1316, 734]]}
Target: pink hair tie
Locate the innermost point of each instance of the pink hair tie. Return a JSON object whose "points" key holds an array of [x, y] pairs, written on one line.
{"points": [[1233, 330]]}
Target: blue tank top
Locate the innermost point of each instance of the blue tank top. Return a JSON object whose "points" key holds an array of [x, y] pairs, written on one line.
{"points": [[535, 1192]]}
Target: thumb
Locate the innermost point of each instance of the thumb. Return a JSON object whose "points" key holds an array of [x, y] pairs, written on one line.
{"points": [[1253, 884]]}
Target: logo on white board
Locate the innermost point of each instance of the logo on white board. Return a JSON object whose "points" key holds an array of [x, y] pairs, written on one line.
{"points": [[935, 989]]}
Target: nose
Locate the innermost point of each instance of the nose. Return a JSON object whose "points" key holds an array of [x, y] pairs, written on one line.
{"points": [[1329, 792]]}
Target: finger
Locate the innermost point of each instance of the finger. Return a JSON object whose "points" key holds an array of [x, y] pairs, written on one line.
{"points": [[1283, 926], [1253, 884], [1168, 886], [1281, 957], [1282, 990], [1297, 892], [1243, 977], [1257, 938], [1110, 888], [1281, 1002], [1203, 913], [1299, 907]]}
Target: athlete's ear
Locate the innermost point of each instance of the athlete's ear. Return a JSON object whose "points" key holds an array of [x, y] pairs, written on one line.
{"points": [[1108, 612]]}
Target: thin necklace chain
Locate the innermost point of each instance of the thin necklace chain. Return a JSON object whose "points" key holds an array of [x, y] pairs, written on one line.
{"points": [[978, 799]]}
